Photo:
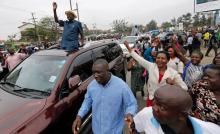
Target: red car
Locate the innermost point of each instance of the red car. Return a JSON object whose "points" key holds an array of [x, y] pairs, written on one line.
{"points": [[44, 92]]}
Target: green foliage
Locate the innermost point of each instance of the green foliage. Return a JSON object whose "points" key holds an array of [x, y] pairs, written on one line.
{"points": [[201, 20], [187, 19], [166, 25], [173, 22], [120, 26], [46, 30], [152, 25], [11, 44]]}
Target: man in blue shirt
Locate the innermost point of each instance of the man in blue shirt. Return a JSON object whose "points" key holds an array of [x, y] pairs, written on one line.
{"points": [[111, 100], [72, 30]]}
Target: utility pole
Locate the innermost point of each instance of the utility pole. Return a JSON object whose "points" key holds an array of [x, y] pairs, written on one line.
{"points": [[94, 28], [77, 9], [35, 27], [194, 7], [71, 8]]}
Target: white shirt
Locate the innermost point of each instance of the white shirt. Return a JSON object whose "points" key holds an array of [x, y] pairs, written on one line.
{"points": [[153, 71], [145, 122], [189, 40], [176, 64]]}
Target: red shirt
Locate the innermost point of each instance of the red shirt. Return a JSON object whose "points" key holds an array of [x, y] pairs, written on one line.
{"points": [[160, 77]]}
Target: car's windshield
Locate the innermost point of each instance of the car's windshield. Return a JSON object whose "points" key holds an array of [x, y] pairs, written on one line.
{"points": [[130, 39], [37, 72]]}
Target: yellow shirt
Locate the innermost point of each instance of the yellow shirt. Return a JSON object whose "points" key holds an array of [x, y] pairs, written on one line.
{"points": [[206, 36]]}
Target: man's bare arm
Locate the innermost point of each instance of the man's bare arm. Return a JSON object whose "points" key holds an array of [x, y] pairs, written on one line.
{"points": [[55, 12]]}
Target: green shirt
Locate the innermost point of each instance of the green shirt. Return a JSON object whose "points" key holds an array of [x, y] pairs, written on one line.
{"points": [[218, 37]]}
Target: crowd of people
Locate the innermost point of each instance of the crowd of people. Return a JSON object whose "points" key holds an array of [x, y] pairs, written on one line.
{"points": [[182, 95], [171, 66], [12, 57]]}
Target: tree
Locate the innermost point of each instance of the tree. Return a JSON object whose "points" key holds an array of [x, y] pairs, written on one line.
{"points": [[196, 20], [28, 34], [141, 28], [47, 29], [180, 20], [120, 26], [187, 20], [152, 25], [174, 22], [166, 25], [12, 37], [203, 20]]}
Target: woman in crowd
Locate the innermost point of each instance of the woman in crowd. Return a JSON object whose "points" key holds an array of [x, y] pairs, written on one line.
{"points": [[159, 73], [193, 70], [174, 61], [206, 96]]}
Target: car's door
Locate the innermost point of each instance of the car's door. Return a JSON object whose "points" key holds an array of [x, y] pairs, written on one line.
{"points": [[82, 66], [70, 101]]}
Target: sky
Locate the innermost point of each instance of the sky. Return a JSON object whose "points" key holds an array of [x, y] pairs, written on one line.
{"points": [[91, 12]]}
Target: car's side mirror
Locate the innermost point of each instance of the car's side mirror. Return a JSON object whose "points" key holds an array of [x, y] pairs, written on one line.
{"points": [[74, 82]]}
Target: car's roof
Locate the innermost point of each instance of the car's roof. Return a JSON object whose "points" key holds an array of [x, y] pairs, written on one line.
{"points": [[130, 37], [52, 52], [59, 52]]}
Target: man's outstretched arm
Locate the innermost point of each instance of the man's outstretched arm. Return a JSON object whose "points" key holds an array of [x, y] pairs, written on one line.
{"points": [[55, 12]]}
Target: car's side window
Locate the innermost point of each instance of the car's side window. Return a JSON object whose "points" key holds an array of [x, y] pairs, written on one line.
{"points": [[82, 65], [99, 52], [108, 51], [113, 51]]}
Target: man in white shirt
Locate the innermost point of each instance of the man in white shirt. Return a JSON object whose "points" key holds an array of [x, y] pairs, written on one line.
{"points": [[169, 115]]}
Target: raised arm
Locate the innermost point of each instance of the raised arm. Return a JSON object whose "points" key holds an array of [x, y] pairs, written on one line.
{"points": [[144, 63], [179, 53], [55, 12]]}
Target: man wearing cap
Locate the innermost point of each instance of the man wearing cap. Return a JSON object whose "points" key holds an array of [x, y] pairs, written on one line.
{"points": [[71, 32]]}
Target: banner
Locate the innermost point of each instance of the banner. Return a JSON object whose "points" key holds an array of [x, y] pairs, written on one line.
{"points": [[207, 5]]}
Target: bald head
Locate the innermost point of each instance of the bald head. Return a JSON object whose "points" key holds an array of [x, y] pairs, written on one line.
{"points": [[175, 97]]}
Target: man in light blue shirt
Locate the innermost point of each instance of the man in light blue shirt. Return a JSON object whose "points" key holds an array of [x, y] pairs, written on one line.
{"points": [[111, 100]]}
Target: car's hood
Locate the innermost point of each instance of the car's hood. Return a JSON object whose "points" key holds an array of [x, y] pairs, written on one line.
{"points": [[15, 110]]}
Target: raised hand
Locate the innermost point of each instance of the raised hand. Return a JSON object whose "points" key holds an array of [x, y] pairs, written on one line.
{"points": [[127, 46], [54, 5]]}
